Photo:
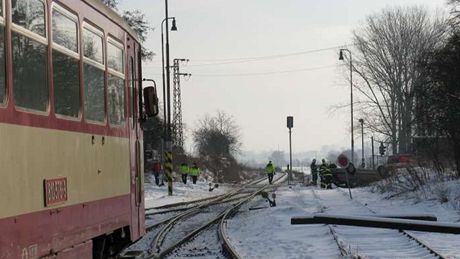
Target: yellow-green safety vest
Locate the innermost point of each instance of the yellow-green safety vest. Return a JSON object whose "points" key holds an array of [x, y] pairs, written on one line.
{"points": [[194, 171], [184, 169]]}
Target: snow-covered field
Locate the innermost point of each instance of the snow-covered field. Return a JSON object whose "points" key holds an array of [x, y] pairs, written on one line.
{"points": [[267, 233]]}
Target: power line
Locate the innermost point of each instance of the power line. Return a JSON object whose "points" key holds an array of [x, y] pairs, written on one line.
{"points": [[246, 59], [265, 73], [212, 62]]}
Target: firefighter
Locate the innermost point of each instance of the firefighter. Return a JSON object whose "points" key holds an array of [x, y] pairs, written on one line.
{"points": [[270, 170], [194, 172], [326, 175], [314, 172], [184, 170]]}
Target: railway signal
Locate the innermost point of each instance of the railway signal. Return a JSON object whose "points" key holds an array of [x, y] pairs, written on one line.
{"points": [[382, 149], [290, 125]]}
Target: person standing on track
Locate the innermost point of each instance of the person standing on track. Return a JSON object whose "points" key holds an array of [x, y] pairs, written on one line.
{"points": [[184, 170], [314, 172], [270, 170], [194, 172], [156, 168], [326, 175]]}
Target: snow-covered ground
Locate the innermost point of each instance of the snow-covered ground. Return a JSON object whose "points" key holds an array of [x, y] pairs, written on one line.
{"points": [[158, 195], [267, 233]]}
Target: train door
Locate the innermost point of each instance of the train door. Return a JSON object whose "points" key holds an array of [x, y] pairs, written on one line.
{"points": [[135, 137]]}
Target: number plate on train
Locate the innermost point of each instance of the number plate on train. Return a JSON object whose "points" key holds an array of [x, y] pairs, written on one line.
{"points": [[55, 191]]}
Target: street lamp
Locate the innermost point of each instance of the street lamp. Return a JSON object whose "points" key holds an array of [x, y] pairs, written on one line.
{"points": [[165, 113], [167, 132], [363, 164], [351, 100]]}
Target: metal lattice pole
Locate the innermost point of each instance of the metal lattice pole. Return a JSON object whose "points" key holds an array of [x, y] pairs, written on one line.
{"points": [[178, 130], [177, 109]]}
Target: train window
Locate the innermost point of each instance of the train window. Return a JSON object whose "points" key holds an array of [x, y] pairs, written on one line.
{"points": [[116, 99], [2, 64], [65, 28], [66, 84], [2, 56], [65, 62], [133, 92], [94, 93], [30, 73], [30, 54], [116, 82], [30, 15], [115, 56], [93, 73], [93, 44]]}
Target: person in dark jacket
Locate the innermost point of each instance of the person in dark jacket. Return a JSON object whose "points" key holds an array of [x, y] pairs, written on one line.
{"points": [[156, 168], [314, 172], [326, 175]]}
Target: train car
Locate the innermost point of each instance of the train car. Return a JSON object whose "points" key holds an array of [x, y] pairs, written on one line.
{"points": [[71, 162]]}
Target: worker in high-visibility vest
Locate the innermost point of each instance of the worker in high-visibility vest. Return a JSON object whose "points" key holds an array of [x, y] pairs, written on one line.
{"points": [[325, 174], [194, 172], [184, 171], [270, 170]]}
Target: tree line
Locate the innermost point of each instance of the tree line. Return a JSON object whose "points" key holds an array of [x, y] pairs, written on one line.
{"points": [[407, 64]]}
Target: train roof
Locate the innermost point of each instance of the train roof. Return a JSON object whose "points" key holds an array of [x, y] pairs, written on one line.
{"points": [[113, 16]]}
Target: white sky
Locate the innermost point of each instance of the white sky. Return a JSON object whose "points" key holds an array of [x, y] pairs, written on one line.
{"points": [[218, 29]]}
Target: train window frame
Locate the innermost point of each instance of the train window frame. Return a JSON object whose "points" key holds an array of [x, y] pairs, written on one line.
{"points": [[28, 33], [15, 28], [98, 65], [117, 44], [121, 75], [2, 13], [68, 52], [72, 16], [132, 91], [99, 32]]}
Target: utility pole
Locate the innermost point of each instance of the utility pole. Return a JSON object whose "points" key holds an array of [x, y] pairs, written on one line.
{"points": [[178, 131], [373, 159]]}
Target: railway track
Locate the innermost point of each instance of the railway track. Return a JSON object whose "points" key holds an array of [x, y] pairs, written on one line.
{"points": [[372, 242], [182, 223]]}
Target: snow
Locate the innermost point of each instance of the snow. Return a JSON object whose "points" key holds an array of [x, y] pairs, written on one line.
{"points": [[267, 232], [158, 195]]}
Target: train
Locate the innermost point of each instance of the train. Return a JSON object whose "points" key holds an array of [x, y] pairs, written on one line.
{"points": [[71, 110]]}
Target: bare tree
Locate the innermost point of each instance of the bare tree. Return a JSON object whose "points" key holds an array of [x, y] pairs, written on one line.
{"points": [[390, 45], [217, 136]]}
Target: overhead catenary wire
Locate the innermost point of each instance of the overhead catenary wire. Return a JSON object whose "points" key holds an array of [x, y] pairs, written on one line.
{"points": [[225, 61], [263, 73]]}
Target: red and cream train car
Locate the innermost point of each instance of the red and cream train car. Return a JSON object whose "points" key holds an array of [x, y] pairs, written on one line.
{"points": [[71, 183]]}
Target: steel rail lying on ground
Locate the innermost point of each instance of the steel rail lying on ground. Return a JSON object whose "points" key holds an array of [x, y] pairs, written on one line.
{"points": [[379, 222], [407, 234], [328, 219]]}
